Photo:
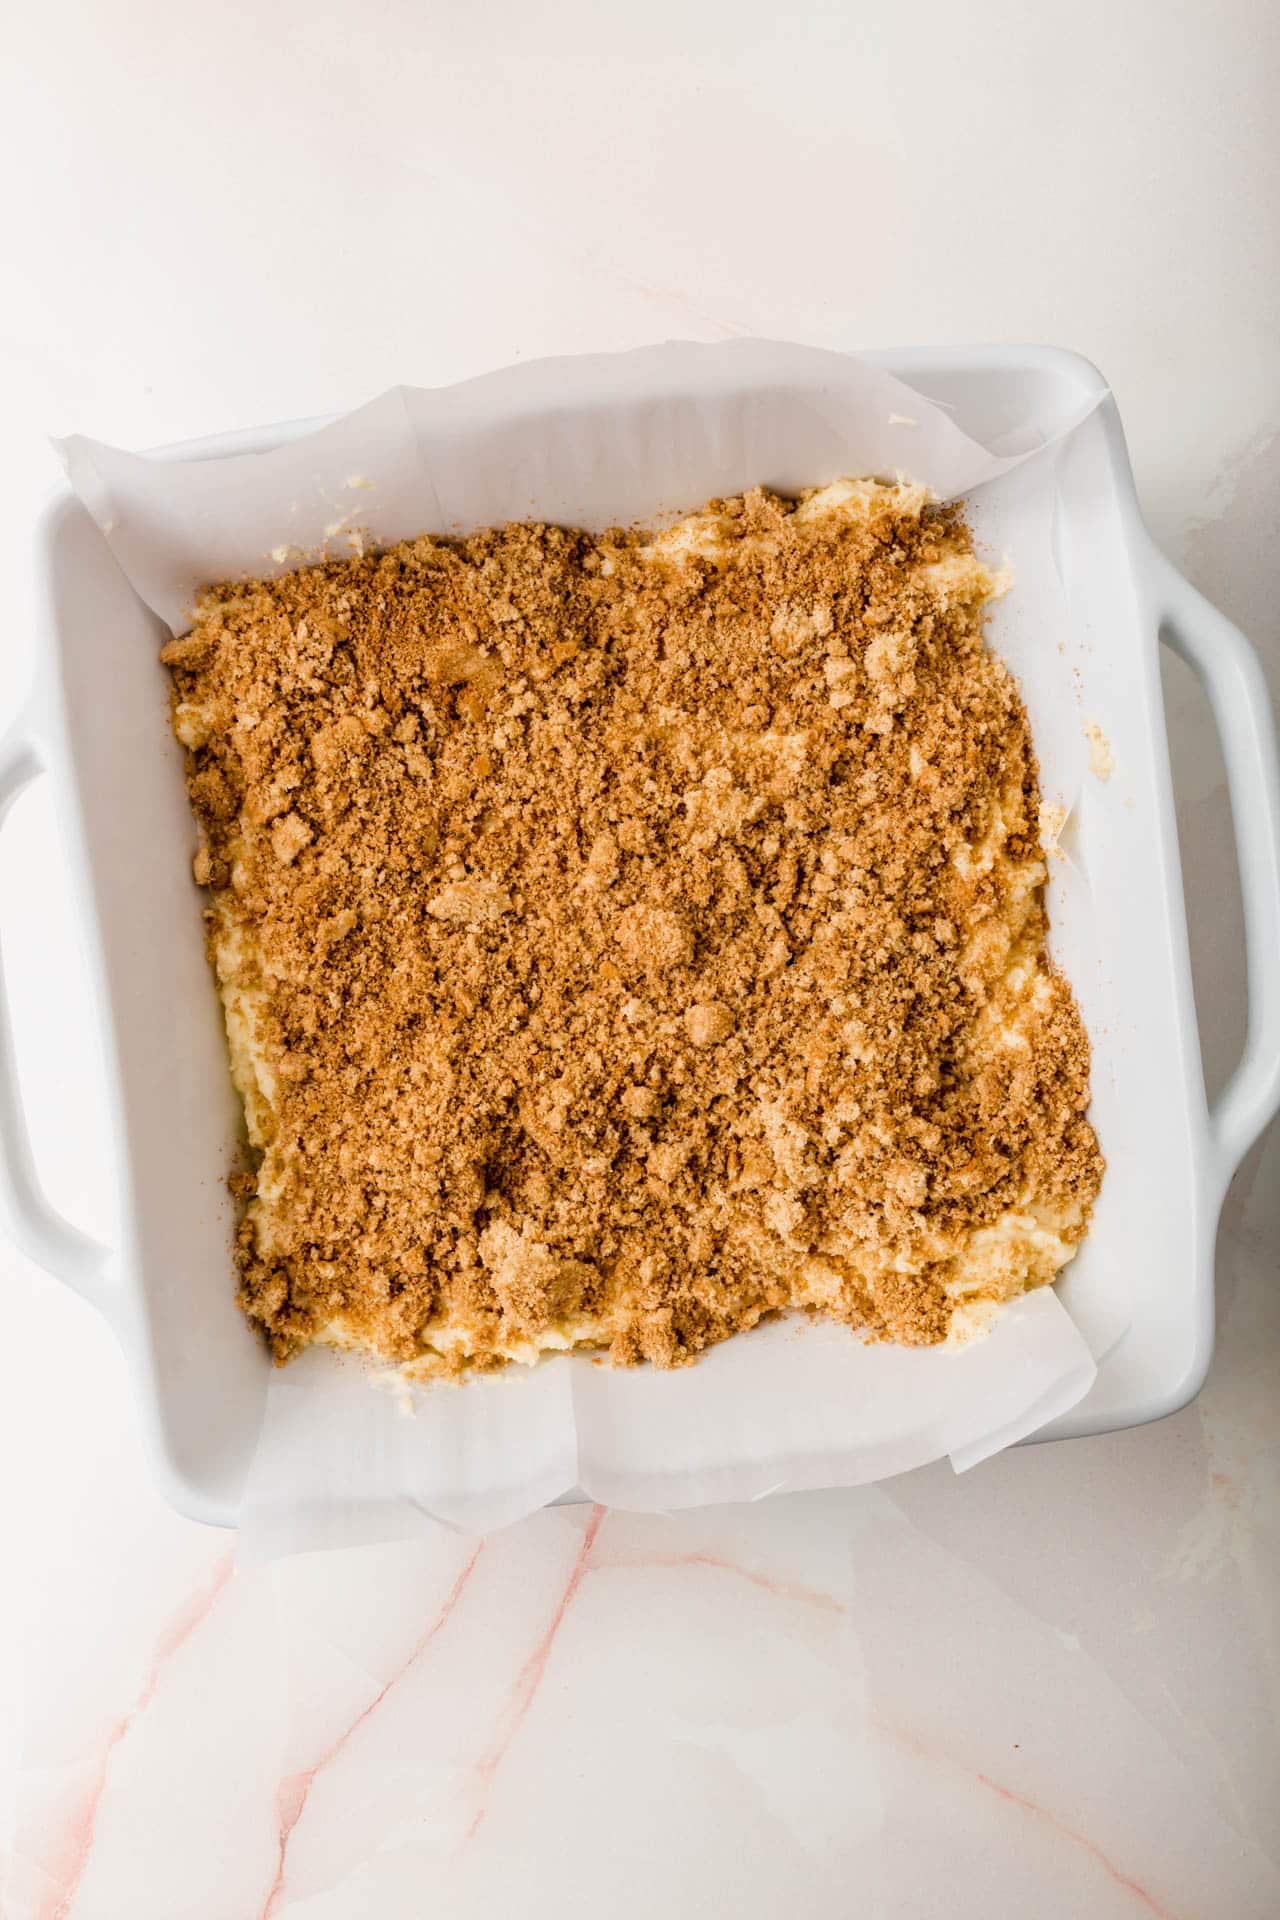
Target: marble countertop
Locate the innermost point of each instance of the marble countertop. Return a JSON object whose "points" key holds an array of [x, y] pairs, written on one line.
{"points": [[1051, 1686]]}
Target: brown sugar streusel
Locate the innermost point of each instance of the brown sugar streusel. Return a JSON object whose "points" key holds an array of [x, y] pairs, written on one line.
{"points": [[627, 937]]}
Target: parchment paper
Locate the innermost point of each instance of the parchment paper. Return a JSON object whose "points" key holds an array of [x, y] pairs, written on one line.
{"points": [[592, 442]]}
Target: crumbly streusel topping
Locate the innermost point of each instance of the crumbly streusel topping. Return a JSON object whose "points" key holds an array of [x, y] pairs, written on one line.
{"points": [[633, 937]]}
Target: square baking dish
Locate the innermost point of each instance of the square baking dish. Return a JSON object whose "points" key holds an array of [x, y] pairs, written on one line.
{"points": [[166, 1287]]}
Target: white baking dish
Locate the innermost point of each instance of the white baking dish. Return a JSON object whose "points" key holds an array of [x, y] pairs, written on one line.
{"points": [[96, 720]]}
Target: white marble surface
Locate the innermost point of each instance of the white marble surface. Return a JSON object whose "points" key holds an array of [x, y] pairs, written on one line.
{"points": [[1052, 1687]]}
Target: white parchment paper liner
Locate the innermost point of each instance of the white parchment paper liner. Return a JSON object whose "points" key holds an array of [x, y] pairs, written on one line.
{"points": [[597, 441]]}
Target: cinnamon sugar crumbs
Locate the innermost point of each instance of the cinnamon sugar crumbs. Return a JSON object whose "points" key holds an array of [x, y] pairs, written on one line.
{"points": [[625, 938]]}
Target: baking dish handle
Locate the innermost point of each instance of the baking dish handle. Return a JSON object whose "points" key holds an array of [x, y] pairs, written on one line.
{"points": [[29, 1220], [1232, 677]]}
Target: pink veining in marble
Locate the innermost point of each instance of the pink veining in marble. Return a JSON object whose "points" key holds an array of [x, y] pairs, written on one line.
{"points": [[294, 1792], [780, 1589], [1108, 1865], [530, 1675], [79, 1844], [934, 1757], [815, 1597]]}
